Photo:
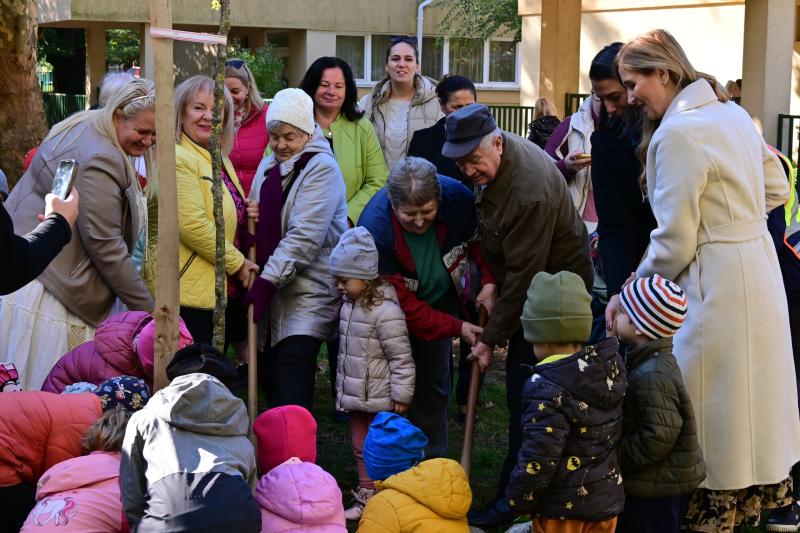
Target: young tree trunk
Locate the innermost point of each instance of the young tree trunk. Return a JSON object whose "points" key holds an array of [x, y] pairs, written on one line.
{"points": [[22, 119], [221, 285]]}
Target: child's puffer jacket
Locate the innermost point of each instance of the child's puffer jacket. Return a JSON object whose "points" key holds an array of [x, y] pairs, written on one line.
{"points": [[79, 495], [375, 363], [40, 429], [299, 496], [432, 496], [110, 354]]}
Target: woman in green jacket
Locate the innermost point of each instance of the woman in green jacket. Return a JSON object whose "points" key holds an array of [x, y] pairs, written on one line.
{"points": [[330, 84]]}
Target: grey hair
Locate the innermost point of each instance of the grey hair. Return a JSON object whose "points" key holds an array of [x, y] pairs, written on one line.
{"points": [[111, 83], [275, 124], [187, 90], [488, 139], [413, 181]]}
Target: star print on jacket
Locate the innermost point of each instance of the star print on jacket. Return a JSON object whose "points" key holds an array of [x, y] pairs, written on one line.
{"points": [[567, 466]]}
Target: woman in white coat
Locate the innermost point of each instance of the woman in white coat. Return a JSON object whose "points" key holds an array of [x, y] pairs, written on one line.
{"points": [[711, 181]]}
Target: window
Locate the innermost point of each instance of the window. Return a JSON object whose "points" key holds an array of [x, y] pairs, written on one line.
{"points": [[466, 58], [351, 49], [432, 54], [488, 63], [502, 61]]}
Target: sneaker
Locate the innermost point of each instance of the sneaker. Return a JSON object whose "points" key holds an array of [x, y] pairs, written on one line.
{"points": [[494, 516], [784, 519], [361, 496]]}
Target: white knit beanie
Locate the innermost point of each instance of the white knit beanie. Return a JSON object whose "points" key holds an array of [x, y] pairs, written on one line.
{"points": [[293, 106]]}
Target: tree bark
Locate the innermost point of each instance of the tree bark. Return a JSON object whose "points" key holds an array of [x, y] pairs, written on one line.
{"points": [[220, 285], [22, 119]]}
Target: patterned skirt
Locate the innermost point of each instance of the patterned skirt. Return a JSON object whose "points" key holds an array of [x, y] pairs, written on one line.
{"points": [[720, 511]]}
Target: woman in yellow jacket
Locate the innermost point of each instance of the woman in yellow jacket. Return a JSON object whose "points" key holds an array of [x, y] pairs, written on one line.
{"points": [[193, 113], [434, 495]]}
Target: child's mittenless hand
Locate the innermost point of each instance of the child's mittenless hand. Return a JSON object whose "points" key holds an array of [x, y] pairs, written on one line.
{"points": [[399, 408]]}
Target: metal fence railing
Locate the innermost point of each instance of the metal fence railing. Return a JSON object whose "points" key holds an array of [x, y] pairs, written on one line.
{"points": [[572, 101], [512, 118], [788, 135], [45, 79], [58, 106]]}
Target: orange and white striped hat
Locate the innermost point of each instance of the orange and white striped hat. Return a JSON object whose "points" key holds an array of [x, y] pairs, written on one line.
{"points": [[656, 306]]}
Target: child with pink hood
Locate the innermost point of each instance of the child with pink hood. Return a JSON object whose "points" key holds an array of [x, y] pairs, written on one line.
{"points": [[123, 345], [295, 494]]}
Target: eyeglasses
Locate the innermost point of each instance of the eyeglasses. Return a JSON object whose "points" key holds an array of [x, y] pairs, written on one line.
{"points": [[394, 39], [235, 63]]}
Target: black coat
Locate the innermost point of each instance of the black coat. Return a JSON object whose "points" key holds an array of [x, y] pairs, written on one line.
{"points": [[27, 257], [567, 467], [659, 452], [427, 144], [625, 219], [540, 130]]}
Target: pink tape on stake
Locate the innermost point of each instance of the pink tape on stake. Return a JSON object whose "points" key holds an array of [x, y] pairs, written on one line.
{"points": [[189, 36]]}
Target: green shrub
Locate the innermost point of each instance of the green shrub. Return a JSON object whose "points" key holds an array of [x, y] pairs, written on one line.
{"points": [[266, 65]]}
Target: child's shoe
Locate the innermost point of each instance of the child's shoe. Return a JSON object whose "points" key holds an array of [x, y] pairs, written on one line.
{"points": [[361, 496], [784, 519]]}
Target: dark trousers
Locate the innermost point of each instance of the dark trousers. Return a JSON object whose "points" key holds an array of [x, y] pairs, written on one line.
{"points": [[288, 369], [16, 502], [333, 365], [794, 327], [428, 409], [199, 322], [520, 352], [652, 515]]}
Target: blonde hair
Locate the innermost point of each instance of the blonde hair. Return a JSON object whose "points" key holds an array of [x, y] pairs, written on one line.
{"points": [[107, 433], [543, 107], [245, 75], [127, 102], [187, 90], [649, 52]]}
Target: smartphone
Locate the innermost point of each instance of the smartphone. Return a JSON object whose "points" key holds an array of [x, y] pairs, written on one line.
{"points": [[583, 156], [65, 178]]}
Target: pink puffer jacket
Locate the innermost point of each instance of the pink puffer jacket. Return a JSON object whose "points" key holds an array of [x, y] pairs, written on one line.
{"points": [[110, 354], [249, 145], [297, 496]]}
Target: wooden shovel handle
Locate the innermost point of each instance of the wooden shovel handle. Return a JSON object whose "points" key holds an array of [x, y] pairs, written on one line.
{"points": [[472, 402], [252, 340]]}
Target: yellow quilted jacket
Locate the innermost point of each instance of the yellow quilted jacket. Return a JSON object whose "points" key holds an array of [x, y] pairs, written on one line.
{"points": [[434, 496], [196, 224]]}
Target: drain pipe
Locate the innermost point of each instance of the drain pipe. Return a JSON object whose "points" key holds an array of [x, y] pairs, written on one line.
{"points": [[420, 20]]}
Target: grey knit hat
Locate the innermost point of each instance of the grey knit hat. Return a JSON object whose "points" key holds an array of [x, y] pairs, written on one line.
{"points": [[355, 256]]}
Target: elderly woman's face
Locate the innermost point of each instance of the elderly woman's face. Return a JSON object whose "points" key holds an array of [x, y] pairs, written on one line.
{"points": [[136, 134], [417, 218], [330, 93], [196, 117], [287, 140]]}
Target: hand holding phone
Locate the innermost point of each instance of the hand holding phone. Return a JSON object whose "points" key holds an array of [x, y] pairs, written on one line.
{"points": [[64, 179]]}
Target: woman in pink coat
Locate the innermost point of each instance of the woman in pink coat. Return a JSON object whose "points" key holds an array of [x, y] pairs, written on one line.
{"points": [[82, 494], [122, 346]]}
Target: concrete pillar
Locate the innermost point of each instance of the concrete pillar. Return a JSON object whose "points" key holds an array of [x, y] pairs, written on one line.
{"points": [[95, 59], [560, 50], [305, 46], [529, 50], [146, 60], [767, 62]]}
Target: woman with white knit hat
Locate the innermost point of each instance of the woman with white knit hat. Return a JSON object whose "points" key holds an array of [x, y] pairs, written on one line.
{"points": [[298, 202]]}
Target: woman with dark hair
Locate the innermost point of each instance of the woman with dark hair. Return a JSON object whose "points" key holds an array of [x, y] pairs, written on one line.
{"points": [[330, 83], [403, 102], [454, 92]]}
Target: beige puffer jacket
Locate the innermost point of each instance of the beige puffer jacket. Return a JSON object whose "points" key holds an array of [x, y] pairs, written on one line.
{"points": [[375, 363]]}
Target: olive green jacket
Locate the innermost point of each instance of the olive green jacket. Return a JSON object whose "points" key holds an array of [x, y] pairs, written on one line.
{"points": [[659, 452]]}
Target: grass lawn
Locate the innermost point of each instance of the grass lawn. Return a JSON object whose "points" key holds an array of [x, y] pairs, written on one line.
{"points": [[336, 456]]}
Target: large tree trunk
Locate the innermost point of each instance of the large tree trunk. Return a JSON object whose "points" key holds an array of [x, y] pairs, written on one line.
{"points": [[22, 120]]}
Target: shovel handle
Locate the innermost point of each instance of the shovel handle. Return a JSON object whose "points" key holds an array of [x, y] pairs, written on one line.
{"points": [[472, 402]]}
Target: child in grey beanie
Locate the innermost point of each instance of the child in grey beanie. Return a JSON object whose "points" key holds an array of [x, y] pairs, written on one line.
{"points": [[375, 369]]}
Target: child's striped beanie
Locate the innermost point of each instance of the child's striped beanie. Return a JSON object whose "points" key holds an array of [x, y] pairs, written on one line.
{"points": [[656, 306]]}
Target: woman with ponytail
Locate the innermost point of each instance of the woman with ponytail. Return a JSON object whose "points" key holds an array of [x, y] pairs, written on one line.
{"points": [[62, 307], [711, 181]]}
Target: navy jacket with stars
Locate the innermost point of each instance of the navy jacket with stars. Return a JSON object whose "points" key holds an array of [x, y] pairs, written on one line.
{"points": [[567, 467]]}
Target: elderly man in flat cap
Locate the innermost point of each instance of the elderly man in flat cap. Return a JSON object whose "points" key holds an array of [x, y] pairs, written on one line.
{"points": [[527, 224]]}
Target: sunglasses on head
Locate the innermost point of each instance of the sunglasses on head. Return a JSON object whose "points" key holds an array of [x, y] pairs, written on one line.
{"points": [[394, 39], [235, 63]]}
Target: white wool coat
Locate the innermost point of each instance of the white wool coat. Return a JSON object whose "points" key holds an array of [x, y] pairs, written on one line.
{"points": [[711, 181], [375, 363]]}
